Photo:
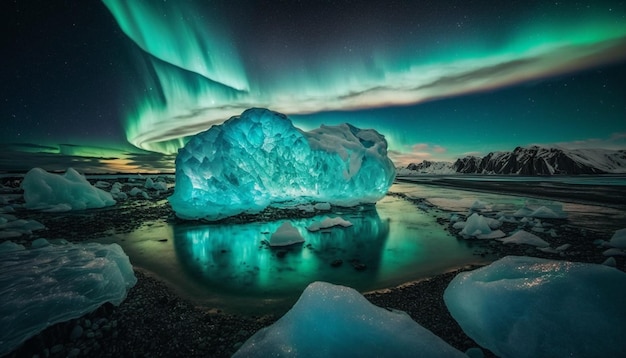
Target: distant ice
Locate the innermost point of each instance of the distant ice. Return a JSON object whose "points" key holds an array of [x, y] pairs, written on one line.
{"points": [[55, 283], [286, 235], [531, 307], [337, 321], [524, 237], [43, 190]]}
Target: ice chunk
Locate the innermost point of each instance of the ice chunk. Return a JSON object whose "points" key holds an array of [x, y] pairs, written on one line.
{"points": [[524, 237], [544, 212], [523, 212], [44, 190], [476, 225], [260, 158], [337, 321], [614, 252], [611, 262], [286, 235], [563, 247], [328, 223], [510, 306], [102, 184], [619, 239], [158, 185], [9, 246], [55, 283], [478, 205], [322, 206]]}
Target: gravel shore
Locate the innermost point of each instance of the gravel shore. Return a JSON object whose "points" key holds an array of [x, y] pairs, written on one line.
{"points": [[155, 321]]}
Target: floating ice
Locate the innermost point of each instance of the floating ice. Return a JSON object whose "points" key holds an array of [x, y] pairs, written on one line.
{"points": [[337, 321], [260, 158], [531, 307], [55, 283], [526, 238], [328, 223], [286, 235], [619, 239], [43, 190]]}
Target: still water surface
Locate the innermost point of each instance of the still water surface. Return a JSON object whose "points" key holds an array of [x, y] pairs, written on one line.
{"points": [[229, 267]]}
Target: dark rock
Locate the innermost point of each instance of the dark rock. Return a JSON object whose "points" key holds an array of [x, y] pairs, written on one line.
{"points": [[77, 332], [336, 263]]}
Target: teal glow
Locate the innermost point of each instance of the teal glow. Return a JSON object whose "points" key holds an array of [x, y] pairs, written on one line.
{"points": [[228, 266], [198, 76]]}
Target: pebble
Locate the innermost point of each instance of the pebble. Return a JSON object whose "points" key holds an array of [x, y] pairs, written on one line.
{"points": [[77, 332], [56, 349], [74, 352]]}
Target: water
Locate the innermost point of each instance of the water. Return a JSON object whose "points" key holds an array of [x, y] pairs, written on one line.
{"points": [[230, 268], [594, 217]]}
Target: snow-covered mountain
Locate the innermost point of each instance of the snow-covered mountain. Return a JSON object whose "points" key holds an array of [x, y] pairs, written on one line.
{"points": [[427, 167], [537, 160], [534, 160]]}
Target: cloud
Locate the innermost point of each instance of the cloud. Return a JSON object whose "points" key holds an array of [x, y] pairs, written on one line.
{"points": [[417, 153], [23, 157]]}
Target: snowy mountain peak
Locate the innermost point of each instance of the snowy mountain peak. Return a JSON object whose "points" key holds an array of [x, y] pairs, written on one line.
{"points": [[530, 160]]}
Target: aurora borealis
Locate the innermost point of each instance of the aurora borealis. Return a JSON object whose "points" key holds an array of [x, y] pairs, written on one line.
{"points": [[439, 79]]}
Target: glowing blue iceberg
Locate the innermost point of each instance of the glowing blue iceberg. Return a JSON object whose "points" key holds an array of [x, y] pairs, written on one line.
{"points": [[532, 307], [337, 321], [260, 158]]}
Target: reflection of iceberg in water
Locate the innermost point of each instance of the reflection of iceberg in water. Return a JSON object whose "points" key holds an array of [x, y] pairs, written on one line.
{"points": [[233, 257]]}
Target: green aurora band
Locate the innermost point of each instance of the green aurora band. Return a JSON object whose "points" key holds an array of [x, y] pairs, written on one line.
{"points": [[196, 77]]}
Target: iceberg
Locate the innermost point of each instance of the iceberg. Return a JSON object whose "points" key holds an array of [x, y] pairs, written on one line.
{"points": [[259, 158], [337, 321], [43, 190], [55, 283], [531, 307]]}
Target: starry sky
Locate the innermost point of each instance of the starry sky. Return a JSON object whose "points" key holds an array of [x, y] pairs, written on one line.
{"points": [[120, 85]]}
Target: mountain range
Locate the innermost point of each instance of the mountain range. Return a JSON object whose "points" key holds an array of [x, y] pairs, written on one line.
{"points": [[534, 160]]}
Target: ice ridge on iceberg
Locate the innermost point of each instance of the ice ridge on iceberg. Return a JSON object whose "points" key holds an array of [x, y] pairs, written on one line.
{"points": [[260, 158]]}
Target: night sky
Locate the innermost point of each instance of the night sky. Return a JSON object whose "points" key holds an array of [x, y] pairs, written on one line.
{"points": [[119, 85]]}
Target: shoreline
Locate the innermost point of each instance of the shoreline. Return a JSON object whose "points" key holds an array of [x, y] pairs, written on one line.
{"points": [[155, 320]]}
